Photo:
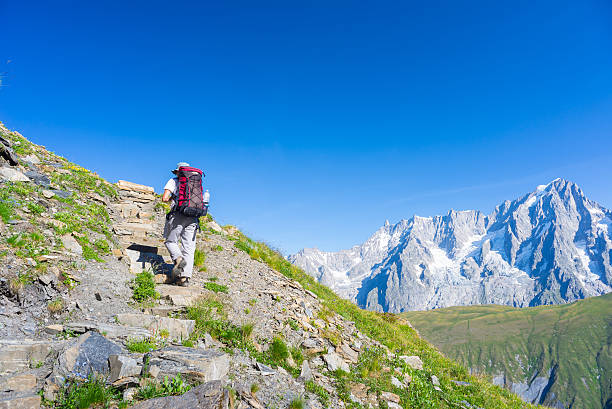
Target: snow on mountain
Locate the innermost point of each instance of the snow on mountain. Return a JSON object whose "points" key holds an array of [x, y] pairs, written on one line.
{"points": [[550, 246]]}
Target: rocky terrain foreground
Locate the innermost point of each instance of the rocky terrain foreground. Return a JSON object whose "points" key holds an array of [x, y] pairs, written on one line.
{"points": [[87, 319]]}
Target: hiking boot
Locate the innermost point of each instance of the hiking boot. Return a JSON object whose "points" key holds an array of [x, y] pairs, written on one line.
{"points": [[183, 282], [179, 265]]}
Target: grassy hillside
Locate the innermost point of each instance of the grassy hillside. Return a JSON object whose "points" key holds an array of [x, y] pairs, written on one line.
{"points": [[91, 226], [395, 333], [573, 339]]}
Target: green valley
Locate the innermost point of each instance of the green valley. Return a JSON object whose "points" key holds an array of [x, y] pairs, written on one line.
{"points": [[551, 354]]}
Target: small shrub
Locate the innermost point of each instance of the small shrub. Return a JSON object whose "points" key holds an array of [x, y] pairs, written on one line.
{"points": [[144, 287], [318, 390], [188, 343], [102, 246], [292, 323], [86, 394], [36, 209], [247, 331], [218, 248], [168, 387], [297, 355], [254, 388], [217, 288], [213, 279], [297, 403], [199, 257], [141, 346], [56, 306], [252, 301], [278, 350]]}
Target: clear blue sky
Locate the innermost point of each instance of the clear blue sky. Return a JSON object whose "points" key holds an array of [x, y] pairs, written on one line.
{"points": [[315, 121]]}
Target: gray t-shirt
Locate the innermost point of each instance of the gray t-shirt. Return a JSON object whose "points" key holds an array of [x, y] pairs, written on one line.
{"points": [[172, 185]]}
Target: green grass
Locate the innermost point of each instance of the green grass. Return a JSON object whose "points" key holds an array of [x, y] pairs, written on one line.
{"points": [[209, 315], [82, 395], [398, 336], [297, 403], [217, 288], [573, 338], [141, 346], [144, 287], [7, 211], [199, 258], [322, 394], [168, 387], [278, 351], [35, 208]]}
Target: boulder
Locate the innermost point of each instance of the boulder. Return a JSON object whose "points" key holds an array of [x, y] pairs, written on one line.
{"points": [[389, 397], [306, 373], [18, 383], [31, 158], [348, 353], [71, 244], [194, 364], [265, 369], [413, 361], [39, 178], [396, 382], [88, 354], [208, 395], [134, 187], [335, 362], [18, 355], [12, 175], [122, 366], [24, 402]]}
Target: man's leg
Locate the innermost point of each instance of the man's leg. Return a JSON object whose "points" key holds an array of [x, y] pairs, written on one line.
{"points": [[188, 242], [172, 233]]}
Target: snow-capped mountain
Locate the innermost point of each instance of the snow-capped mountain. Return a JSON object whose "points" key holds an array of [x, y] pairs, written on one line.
{"points": [[550, 246]]}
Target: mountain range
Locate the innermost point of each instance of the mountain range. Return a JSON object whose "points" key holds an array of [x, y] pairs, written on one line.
{"points": [[550, 246]]}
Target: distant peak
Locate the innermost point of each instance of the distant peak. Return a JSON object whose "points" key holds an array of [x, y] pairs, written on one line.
{"points": [[387, 224]]}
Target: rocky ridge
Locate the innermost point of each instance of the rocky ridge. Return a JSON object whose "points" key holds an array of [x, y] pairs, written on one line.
{"points": [[248, 333], [551, 246]]}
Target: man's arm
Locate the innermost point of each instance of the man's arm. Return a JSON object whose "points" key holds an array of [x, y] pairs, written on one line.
{"points": [[167, 196]]}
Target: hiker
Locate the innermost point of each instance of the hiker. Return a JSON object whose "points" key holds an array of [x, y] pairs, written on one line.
{"points": [[187, 204]]}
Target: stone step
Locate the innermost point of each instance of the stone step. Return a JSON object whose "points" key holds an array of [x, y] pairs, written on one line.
{"points": [[165, 310], [179, 296], [17, 355], [177, 328], [30, 401], [109, 330], [125, 185]]}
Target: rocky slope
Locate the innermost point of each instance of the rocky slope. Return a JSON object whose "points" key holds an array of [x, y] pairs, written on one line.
{"points": [[550, 246], [86, 319], [555, 355]]}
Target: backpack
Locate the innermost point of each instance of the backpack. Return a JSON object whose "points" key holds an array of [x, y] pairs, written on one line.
{"points": [[190, 198]]}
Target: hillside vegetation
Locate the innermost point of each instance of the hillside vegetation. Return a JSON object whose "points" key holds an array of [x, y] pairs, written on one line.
{"points": [[68, 271], [572, 340]]}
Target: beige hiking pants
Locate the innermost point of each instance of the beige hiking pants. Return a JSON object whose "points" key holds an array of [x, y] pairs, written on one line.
{"points": [[182, 227]]}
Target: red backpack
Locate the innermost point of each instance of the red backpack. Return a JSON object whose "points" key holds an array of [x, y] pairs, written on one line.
{"points": [[190, 198]]}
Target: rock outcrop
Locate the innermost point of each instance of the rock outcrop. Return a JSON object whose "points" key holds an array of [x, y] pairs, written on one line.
{"points": [[550, 246]]}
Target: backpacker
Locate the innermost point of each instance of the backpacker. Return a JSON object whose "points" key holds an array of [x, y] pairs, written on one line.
{"points": [[190, 198]]}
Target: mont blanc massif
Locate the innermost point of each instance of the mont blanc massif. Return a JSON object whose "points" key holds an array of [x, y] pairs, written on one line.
{"points": [[551, 246]]}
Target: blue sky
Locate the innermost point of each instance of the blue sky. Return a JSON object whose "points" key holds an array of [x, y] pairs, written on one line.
{"points": [[315, 121]]}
